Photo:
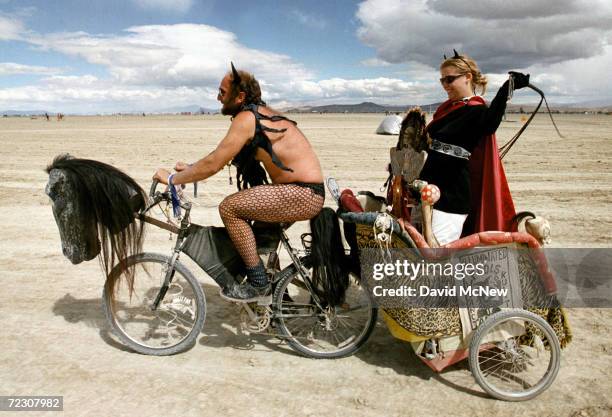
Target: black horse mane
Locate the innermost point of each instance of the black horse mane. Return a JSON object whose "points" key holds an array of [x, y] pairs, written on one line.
{"points": [[111, 197]]}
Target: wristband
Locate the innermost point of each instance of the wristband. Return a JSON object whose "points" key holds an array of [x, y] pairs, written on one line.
{"points": [[176, 205]]}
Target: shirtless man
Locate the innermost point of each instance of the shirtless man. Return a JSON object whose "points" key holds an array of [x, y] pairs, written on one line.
{"points": [[257, 135]]}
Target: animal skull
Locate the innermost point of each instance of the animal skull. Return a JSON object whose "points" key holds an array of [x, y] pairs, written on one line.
{"points": [[539, 228]]}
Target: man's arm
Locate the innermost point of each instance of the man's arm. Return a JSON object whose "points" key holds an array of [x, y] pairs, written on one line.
{"points": [[239, 133]]}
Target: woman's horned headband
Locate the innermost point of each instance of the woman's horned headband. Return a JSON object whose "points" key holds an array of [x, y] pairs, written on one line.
{"points": [[457, 56]]}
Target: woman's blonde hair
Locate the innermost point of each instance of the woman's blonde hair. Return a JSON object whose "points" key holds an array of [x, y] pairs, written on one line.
{"points": [[466, 65]]}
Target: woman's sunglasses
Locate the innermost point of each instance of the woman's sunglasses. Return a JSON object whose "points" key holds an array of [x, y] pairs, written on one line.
{"points": [[449, 79]]}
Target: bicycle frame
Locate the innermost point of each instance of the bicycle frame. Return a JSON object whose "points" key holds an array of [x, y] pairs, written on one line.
{"points": [[183, 230], [293, 254]]}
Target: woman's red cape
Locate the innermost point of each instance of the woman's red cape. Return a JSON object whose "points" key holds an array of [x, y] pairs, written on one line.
{"points": [[492, 207]]}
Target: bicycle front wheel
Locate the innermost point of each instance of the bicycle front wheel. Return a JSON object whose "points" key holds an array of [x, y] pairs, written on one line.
{"points": [[514, 355], [171, 328], [328, 332]]}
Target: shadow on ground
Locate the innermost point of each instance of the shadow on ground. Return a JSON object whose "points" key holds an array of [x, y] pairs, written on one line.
{"points": [[222, 329], [222, 326]]}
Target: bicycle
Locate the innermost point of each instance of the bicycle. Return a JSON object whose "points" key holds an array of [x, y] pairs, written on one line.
{"points": [[166, 311]]}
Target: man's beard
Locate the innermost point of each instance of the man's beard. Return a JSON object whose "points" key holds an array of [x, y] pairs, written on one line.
{"points": [[230, 109]]}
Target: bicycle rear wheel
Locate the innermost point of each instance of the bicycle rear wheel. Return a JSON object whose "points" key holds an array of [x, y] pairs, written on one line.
{"points": [[174, 326], [514, 355], [331, 332]]}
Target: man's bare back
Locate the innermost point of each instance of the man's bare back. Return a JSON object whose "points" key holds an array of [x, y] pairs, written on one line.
{"points": [[292, 148]]}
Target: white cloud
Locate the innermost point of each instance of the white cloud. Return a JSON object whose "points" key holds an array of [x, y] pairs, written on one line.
{"points": [[502, 9], [12, 68], [382, 89], [499, 35], [580, 80], [179, 6], [76, 93], [157, 66], [90, 94], [171, 55], [565, 44], [308, 19], [149, 65], [376, 87], [10, 28], [374, 62]]}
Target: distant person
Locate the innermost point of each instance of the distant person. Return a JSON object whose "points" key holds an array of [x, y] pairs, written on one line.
{"points": [[257, 134], [463, 160], [47, 116]]}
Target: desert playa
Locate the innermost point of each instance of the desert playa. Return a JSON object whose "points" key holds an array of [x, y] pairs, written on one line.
{"points": [[55, 341]]}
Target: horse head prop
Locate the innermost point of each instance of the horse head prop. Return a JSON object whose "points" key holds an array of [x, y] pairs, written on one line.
{"points": [[94, 206]]}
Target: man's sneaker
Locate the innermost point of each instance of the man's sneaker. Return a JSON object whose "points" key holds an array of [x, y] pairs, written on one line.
{"points": [[247, 293]]}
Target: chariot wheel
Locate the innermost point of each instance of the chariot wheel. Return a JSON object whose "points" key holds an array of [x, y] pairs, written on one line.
{"points": [[514, 355], [171, 328], [328, 332]]}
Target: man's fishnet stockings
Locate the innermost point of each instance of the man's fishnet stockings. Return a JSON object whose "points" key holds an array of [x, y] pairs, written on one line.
{"points": [[275, 203]]}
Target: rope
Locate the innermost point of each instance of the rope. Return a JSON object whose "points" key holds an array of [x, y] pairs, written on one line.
{"points": [[503, 150]]}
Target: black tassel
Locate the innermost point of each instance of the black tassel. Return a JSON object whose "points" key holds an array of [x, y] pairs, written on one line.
{"points": [[329, 262]]}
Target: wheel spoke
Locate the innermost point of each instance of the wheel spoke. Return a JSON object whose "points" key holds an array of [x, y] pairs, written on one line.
{"points": [[512, 370], [330, 332], [178, 318]]}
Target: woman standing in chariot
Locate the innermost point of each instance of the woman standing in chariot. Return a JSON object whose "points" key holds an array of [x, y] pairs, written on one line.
{"points": [[257, 134], [464, 162]]}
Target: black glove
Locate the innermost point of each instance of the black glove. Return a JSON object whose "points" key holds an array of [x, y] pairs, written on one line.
{"points": [[520, 80]]}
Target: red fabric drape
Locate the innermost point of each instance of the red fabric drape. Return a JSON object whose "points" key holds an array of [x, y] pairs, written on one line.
{"points": [[492, 207]]}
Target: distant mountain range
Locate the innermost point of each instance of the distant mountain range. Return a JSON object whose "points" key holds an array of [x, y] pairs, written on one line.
{"points": [[365, 107], [25, 112], [369, 107], [193, 109]]}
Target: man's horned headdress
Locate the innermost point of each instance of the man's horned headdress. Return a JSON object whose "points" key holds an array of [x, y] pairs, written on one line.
{"points": [[235, 76]]}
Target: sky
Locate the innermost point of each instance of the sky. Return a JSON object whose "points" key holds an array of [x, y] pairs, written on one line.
{"points": [[104, 56]]}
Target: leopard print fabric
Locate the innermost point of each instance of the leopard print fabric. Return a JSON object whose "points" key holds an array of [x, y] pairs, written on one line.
{"points": [[442, 322]]}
